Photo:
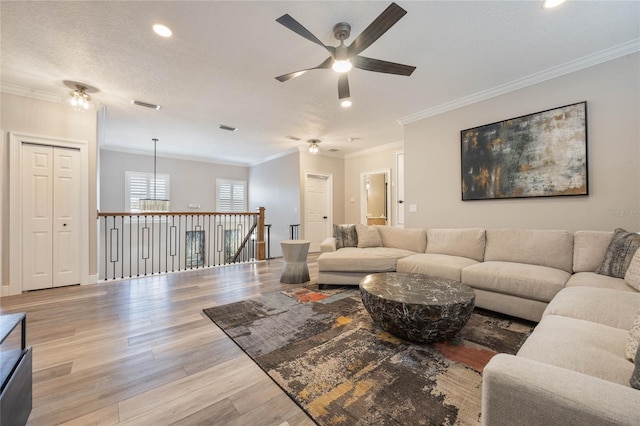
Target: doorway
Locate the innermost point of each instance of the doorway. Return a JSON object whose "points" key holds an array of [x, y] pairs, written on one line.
{"points": [[318, 208], [48, 213], [375, 197]]}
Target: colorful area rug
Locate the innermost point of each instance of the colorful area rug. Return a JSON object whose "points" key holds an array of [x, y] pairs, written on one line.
{"points": [[323, 349]]}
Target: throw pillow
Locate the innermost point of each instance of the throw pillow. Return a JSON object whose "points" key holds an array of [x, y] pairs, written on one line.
{"points": [[634, 339], [632, 277], [345, 236], [368, 236], [619, 253], [635, 377]]}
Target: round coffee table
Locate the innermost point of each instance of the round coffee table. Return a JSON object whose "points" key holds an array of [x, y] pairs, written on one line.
{"points": [[417, 307]]}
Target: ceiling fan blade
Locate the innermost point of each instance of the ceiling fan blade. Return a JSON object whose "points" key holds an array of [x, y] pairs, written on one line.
{"points": [[379, 26], [378, 65], [297, 28], [343, 86], [325, 64]]}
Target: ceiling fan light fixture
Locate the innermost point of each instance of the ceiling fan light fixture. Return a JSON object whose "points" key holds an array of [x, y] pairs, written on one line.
{"points": [[346, 103], [342, 66]]}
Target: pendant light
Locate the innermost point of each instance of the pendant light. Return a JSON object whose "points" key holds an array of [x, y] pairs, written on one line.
{"points": [[154, 204]]}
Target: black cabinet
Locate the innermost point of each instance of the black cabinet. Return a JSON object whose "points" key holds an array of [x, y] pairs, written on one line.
{"points": [[15, 370]]}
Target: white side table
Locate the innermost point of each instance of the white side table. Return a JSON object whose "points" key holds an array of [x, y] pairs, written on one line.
{"points": [[294, 268]]}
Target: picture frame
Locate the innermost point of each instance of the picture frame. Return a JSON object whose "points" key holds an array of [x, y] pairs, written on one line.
{"points": [[543, 154]]}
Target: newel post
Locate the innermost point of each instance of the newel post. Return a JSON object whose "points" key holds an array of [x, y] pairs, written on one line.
{"points": [[261, 243]]}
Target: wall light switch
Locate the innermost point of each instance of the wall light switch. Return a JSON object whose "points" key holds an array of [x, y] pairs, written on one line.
{"points": [[194, 206], [352, 199], [413, 208]]}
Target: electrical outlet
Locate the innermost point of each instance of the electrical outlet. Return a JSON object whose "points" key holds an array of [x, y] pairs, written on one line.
{"points": [[413, 208]]}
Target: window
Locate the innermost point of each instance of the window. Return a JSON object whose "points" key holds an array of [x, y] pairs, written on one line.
{"points": [[139, 185], [231, 195]]}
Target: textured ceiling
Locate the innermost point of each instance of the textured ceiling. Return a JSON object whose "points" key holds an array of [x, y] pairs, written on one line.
{"points": [[220, 64]]}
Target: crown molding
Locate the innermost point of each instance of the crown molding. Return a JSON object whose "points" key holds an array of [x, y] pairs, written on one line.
{"points": [[172, 156], [373, 150], [632, 46], [13, 89]]}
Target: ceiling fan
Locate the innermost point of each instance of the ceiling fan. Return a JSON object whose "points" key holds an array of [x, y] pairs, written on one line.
{"points": [[342, 57]]}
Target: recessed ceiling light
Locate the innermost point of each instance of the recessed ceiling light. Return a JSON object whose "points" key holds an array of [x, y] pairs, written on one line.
{"points": [[162, 30], [346, 103], [548, 4]]}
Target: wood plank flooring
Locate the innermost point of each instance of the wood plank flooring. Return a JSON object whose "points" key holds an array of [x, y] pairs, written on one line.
{"points": [[141, 352]]}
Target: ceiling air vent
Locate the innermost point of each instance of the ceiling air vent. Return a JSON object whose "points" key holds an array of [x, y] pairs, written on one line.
{"points": [[225, 127], [293, 138], [146, 104], [333, 150]]}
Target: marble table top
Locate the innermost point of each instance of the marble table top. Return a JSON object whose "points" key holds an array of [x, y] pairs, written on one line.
{"points": [[416, 289]]}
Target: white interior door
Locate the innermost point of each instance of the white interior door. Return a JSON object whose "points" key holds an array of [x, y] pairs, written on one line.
{"points": [[66, 217], [37, 224], [317, 209], [51, 210]]}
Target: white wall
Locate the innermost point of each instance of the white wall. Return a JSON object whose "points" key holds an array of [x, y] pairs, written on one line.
{"points": [[377, 159], [612, 92], [320, 163], [192, 182], [49, 119], [275, 185]]}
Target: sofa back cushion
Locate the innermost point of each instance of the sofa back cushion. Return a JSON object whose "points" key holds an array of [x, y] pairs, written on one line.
{"points": [[469, 243], [404, 238], [552, 248], [589, 248]]}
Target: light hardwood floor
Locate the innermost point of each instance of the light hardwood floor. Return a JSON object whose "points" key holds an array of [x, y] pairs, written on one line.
{"points": [[141, 352]]}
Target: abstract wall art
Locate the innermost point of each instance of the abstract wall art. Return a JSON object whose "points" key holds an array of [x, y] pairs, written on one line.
{"points": [[536, 155]]}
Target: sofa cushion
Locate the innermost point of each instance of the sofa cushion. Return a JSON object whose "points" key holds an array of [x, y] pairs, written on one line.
{"points": [[591, 279], [345, 235], [583, 346], [368, 236], [634, 339], [552, 248], [601, 305], [516, 279], [440, 265], [635, 377], [403, 238], [619, 253], [457, 242], [589, 248], [372, 259], [632, 276]]}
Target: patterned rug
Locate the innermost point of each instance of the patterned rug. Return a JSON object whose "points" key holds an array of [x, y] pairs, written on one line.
{"points": [[322, 348]]}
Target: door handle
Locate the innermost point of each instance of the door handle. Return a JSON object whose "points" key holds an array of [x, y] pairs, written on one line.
{"points": [[325, 217], [64, 224], [400, 201]]}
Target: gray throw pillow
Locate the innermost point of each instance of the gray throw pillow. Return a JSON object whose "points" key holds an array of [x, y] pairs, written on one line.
{"points": [[345, 236], [635, 377], [619, 253]]}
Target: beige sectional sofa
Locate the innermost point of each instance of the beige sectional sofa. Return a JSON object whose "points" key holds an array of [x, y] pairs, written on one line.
{"points": [[513, 271], [572, 370]]}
